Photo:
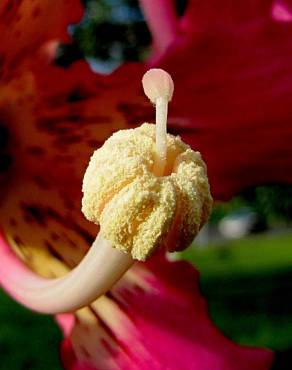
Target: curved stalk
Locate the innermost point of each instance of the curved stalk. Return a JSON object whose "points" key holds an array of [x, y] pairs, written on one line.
{"points": [[99, 270]]}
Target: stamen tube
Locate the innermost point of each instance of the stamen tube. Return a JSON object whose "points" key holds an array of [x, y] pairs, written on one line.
{"points": [[99, 270]]}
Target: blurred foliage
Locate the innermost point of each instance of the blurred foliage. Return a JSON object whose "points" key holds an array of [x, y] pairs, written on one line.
{"points": [[28, 341], [115, 30], [111, 32], [246, 283], [272, 203]]}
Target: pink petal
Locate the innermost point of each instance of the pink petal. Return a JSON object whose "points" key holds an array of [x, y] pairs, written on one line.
{"points": [[231, 64], [25, 25], [281, 11], [156, 318]]}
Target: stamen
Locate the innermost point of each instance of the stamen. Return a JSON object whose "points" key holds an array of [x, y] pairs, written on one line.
{"points": [[158, 87], [99, 270]]}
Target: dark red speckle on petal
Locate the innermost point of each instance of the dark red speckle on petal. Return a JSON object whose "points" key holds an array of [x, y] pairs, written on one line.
{"points": [[36, 12]]}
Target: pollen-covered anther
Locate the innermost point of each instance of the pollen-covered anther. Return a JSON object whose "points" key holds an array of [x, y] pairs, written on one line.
{"points": [[138, 211]]}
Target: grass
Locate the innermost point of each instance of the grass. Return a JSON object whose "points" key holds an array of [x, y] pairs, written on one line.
{"points": [[27, 341], [252, 255], [247, 283]]}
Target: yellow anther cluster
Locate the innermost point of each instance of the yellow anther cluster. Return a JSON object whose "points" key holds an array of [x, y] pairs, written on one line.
{"points": [[138, 211]]}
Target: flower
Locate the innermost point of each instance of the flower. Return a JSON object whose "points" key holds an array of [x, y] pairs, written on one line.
{"points": [[232, 102]]}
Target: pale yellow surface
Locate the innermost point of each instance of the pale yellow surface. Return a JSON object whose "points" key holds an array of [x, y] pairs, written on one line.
{"points": [[136, 210]]}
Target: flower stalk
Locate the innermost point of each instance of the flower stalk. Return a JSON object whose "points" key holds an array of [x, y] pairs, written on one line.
{"points": [[95, 275]]}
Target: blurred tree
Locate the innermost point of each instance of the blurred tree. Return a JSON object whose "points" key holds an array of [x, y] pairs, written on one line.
{"points": [[272, 204], [113, 31], [275, 201]]}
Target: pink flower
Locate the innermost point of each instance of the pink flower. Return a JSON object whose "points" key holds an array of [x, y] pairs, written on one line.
{"points": [[232, 102]]}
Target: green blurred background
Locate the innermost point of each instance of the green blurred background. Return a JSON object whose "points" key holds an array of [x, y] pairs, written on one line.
{"points": [[244, 254]]}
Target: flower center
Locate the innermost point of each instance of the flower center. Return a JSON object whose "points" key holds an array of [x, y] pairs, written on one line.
{"points": [[136, 207]]}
